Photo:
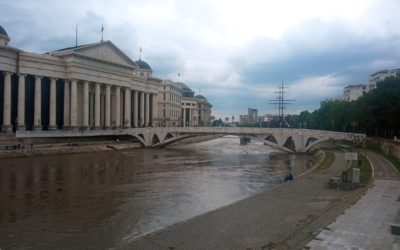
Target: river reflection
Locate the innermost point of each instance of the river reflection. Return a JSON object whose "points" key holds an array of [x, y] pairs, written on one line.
{"points": [[103, 200]]}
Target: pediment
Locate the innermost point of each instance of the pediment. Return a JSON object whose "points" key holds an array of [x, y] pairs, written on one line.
{"points": [[105, 51]]}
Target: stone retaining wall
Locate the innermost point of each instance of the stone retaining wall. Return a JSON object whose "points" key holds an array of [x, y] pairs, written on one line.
{"points": [[389, 147]]}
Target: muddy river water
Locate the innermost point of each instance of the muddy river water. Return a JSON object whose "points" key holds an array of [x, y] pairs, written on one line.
{"points": [[106, 199]]}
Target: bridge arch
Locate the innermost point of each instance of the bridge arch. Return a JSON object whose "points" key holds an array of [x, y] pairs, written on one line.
{"points": [[271, 138], [289, 143], [310, 140]]}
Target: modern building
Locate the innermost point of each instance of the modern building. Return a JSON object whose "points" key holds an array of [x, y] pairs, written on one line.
{"points": [[169, 104], [353, 92], [380, 76], [250, 119]]}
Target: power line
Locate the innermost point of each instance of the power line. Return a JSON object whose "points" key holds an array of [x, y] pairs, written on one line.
{"points": [[282, 103]]}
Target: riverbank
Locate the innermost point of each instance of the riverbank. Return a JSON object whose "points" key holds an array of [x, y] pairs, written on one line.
{"points": [[285, 217], [16, 148]]}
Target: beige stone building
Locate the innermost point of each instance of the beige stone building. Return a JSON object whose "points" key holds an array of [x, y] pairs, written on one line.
{"points": [[353, 92], [93, 86], [380, 76], [204, 111], [196, 110], [169, 104]]}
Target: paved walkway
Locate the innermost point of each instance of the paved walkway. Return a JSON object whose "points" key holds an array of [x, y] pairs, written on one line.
{"points": [[366, 225]]}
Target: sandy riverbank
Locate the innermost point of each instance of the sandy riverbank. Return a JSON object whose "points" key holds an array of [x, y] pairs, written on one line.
{"points": [[285, 217]]}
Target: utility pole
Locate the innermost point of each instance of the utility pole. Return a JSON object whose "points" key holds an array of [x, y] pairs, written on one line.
{"points": [[282, 102]]}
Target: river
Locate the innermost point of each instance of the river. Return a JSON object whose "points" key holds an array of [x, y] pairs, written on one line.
{"points": [[105, 199]]}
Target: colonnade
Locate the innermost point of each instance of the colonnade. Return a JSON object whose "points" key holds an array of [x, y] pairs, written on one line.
{"points": [[84, 104], [188, 118]]}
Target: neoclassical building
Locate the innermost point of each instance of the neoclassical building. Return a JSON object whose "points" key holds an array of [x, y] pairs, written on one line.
{"points": [[91, 86], [169, 104], [196, 110], [83, 87]]}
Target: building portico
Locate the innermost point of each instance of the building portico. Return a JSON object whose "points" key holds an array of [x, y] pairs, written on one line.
{"points": [[94, 86]]}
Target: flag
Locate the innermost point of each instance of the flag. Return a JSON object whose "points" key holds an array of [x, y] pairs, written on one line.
{"points": [[102, 28], [140, 49]]}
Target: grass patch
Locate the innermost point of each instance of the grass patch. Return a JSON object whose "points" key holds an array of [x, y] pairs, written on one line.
{"points": [[365, 169], [328, 160]]}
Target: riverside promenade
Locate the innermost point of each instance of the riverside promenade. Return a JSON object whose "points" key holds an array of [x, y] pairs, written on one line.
{"points": [[366, 225], [285, 217]]}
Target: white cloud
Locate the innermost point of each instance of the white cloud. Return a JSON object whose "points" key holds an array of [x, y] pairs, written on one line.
{"points": [[231, 49], [317, 87]]}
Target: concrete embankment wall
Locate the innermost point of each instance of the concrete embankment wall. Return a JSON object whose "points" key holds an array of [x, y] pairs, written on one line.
{"points": [[389, 147], [12, 147]]}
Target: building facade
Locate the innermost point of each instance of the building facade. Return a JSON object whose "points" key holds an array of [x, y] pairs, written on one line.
{"points": [[196, 110], [353, 92], [169, 104], [250, 119], [204, 111], [380, 76], [92, 86]]}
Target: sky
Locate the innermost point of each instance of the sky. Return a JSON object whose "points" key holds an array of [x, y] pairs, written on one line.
{"points": [[236, 53]]}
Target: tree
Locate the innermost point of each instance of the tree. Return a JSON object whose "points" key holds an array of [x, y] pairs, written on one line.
{"points": [[375, 113]]}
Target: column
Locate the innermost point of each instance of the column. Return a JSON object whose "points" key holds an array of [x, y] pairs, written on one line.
{"points": [[97, 106], [67, 101], [141, 119], [127, 115], [52, 120], [190, 117], [38, 104], [184, 117], [7, 103], [117, 106], [155, 109], [136, 109], [108, 106], [21, 102], [85, 121], [147, 110], [74, 103]]}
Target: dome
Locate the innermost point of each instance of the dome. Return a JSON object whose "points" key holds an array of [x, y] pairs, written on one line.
{"points": [[182, 86], [4, 38], [200, 97], [143, 65], [186, 91], [3, 31]]}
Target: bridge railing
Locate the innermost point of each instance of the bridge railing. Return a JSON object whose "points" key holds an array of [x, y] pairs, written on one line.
{"points": [[197, 130]]}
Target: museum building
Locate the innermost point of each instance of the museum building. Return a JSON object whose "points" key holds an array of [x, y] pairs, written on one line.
{"points": [[92, 86]]}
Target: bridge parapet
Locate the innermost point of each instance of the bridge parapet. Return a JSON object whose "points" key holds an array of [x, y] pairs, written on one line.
{"points": [[299, 140]]}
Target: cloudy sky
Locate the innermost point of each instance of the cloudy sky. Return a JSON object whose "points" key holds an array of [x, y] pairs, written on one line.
{"points": [[235, 53]]}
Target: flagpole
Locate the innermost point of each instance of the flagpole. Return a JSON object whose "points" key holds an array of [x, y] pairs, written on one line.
{"points": [[76, 35], [102, 29]]}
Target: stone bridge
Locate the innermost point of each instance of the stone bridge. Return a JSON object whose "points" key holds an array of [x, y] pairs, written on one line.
{"points": [[298, 140]]}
